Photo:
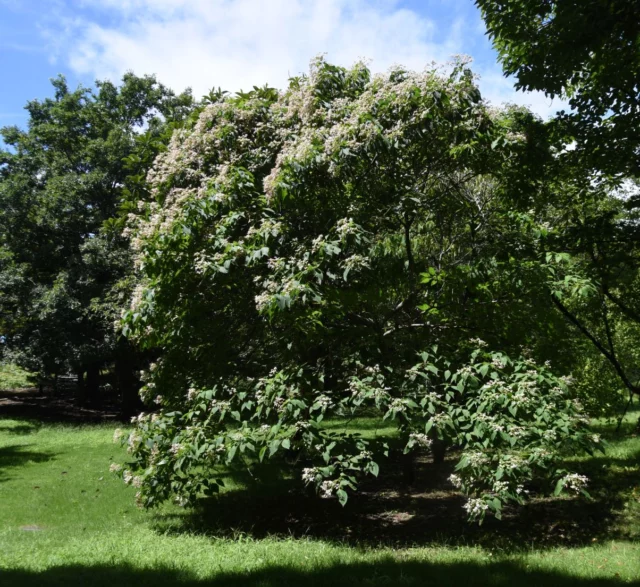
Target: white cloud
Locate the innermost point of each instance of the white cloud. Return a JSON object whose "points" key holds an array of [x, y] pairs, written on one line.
{"points": [[237, 44]]}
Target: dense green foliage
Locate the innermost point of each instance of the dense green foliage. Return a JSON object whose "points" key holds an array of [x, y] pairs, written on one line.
{"points": [[306, 248], [586, 51], [64, 271]]}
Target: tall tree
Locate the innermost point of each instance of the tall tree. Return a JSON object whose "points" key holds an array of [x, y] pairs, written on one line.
{"points": [[306, 253], [64, 266]]}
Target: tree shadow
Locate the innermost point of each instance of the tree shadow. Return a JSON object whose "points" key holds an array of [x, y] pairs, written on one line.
{"points": [[387, 511], [35, 406], [384, 572], [23, 428], [18, 455]]}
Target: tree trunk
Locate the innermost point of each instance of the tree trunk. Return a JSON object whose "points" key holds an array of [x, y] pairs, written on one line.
{"points": [[92, 384], [439, 448], [408, 469], [82, 390], [127, 382]]}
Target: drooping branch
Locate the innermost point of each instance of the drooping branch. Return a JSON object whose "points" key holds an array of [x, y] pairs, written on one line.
{"points": [[630, 313], [609, 355]]}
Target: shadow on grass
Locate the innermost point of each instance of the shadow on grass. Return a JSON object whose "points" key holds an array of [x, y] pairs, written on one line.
{"points": [[31, 405], [389, 512], [384, 572], [18, 455], [23, 428]]}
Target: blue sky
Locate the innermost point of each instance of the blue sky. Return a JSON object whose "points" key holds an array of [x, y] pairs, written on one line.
{"points": [[232, 43]]}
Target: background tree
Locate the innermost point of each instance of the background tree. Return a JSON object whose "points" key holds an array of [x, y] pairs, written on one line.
{"points": [[65, 268], [585, 51]]}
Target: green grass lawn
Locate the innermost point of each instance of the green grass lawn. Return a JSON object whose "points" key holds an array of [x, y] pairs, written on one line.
{"points": [[64, 520]]}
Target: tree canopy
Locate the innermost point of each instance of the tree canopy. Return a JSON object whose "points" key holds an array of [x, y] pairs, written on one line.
{"points": [[586, 51], [65, 270], [347, 246]]}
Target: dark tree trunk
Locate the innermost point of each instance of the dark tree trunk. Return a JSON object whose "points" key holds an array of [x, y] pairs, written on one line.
{"points": [[408, 469], [92, 384], [439, 448], [127, 382], [82, 390]]}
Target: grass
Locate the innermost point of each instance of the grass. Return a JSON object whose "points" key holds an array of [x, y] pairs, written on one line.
{"points": [[64, 520]]}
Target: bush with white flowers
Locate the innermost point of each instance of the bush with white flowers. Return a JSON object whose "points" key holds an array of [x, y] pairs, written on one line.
{"points": [[302, 248]]}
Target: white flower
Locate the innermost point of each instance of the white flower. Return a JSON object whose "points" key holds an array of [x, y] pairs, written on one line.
{"points": [[575, 482], [475, 507], [500, 486], [309, 475], [117, 435], [456, 481], [115, 468], [498, 363], [477, 459], [421, 439], [323, 402], [328, 488]]}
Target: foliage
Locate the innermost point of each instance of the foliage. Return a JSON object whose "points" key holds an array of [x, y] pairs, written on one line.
{"points": [[512, 421], [586, 51], [300, 240], [13, 377], [65, 272]]}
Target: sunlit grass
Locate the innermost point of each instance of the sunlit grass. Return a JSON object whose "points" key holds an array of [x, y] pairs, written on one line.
{"points": [[64, 520]]}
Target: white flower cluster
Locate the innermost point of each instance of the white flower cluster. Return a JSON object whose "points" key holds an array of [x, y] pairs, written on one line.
{"points": [[455, 480], [345, 227], [323, 402], [421, 439], [477, 459], [475, 507], [575, 482], [309, 475], [328, 488], [498, 363], [510, 462], [500, 486]]}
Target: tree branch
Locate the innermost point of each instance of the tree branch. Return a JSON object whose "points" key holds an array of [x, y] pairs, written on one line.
{"points": [[607, 354]]}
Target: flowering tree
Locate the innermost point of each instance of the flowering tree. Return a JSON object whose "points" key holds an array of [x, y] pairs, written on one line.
{"points": [[304, 251]]}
